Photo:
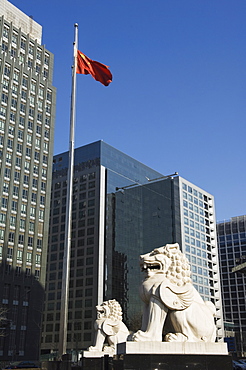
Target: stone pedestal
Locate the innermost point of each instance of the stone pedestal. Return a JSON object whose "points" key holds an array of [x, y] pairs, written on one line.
{"points": [[176, 348], [97, 360], [161, 356], [173, 356], [173, 362]]}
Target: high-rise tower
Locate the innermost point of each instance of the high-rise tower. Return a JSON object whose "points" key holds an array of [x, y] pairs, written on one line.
{"points": [[27, 111], [232, 252]]}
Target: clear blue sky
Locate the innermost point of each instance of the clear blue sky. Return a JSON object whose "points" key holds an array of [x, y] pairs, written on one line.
{"points": [[178, 97]]}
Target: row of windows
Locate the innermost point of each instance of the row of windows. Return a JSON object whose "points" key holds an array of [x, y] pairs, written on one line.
{"points": [[195, 200], [193, 207], [19, 270], [30, 140], [196, 250], [55, 229], [191, 240], [56, 286], [51, 306], [33, 198], [75, 224], [58, 275], [54, 266], [202, 290], [75, 243], [49, 338], [23, 209], [22, 42], [77, 325], [91, 185], [78, 293], [24, 180], [20, 255], [22, 110], [29, 137], [29, 59], [195, 192], [81, 214], [19, 79], [235, 237], [28, 150], [14, 103], [23, 122], [27, 165], [20, 239]]}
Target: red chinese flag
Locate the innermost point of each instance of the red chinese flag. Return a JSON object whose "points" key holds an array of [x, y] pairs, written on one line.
{"points": [[98, 70]]}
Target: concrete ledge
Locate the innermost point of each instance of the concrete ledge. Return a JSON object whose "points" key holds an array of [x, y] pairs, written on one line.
{"points": [[172, 348], [95, 354]]}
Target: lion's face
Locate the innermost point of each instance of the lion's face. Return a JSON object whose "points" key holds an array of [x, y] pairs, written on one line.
{"points": [[169, 261], [154, 263], [102, 311], [109, 309]]}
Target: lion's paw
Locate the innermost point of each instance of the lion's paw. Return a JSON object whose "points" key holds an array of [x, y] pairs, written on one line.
{"points": [[141, 336], [110, 350], [175, 337], [92, 348]]}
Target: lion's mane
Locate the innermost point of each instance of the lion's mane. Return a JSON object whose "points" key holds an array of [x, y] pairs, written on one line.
{"points": [[114, 310], [179, 269]]}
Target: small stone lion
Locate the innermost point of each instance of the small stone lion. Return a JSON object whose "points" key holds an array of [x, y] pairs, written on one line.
{"points": [[109, 326], [171, 301]]}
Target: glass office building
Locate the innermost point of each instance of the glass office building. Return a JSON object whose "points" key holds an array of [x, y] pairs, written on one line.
{"points": [[232, 252], [164, 211], [121, 209], [27, 109]]}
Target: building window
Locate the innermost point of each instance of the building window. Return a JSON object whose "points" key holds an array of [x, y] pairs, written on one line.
{"points": [[7, 70], [32, 211], [22, 224], [11, 238], [7, 173], [23, 209], [21, 239], [39, 243], [12, 221], [38, 259], [4, 202], [1, 234], [19, 255], [14, 206], [29, 257]]}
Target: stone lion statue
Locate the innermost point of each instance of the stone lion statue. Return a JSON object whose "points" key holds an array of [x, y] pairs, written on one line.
{"points": [[109, 326], [172, 304]]}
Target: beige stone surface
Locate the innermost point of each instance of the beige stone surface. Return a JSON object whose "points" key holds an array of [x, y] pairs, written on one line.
{"points": [[172, 348]]}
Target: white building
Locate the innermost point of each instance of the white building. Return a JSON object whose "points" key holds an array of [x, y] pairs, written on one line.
{"points": [[27, 110]]}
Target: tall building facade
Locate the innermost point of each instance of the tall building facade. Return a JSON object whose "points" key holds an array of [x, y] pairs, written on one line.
{"points": [[27, 110], [232, 252], [121, 209]]}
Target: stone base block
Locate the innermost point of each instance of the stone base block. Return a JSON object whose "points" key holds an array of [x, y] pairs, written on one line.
{"points": [[95, 354], [172, 362], [172, 348], [103, 362]]}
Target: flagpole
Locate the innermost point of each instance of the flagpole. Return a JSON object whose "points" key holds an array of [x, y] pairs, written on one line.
{"points": [[67, 245]]}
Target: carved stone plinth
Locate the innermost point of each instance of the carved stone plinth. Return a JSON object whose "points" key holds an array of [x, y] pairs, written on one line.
{"points": [[172, 348], [173, 362], [173, 356], [95, 354]]}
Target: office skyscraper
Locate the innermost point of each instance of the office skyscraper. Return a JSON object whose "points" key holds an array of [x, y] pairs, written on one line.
{"points": [[121, 209], [27, 111], [232, 251]]}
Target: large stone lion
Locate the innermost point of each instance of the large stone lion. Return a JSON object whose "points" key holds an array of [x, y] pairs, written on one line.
{"points": [[172, 304], [109, 326]]}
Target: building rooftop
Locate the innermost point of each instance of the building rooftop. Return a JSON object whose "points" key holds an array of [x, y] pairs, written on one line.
{"points": [[21, 20]]}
